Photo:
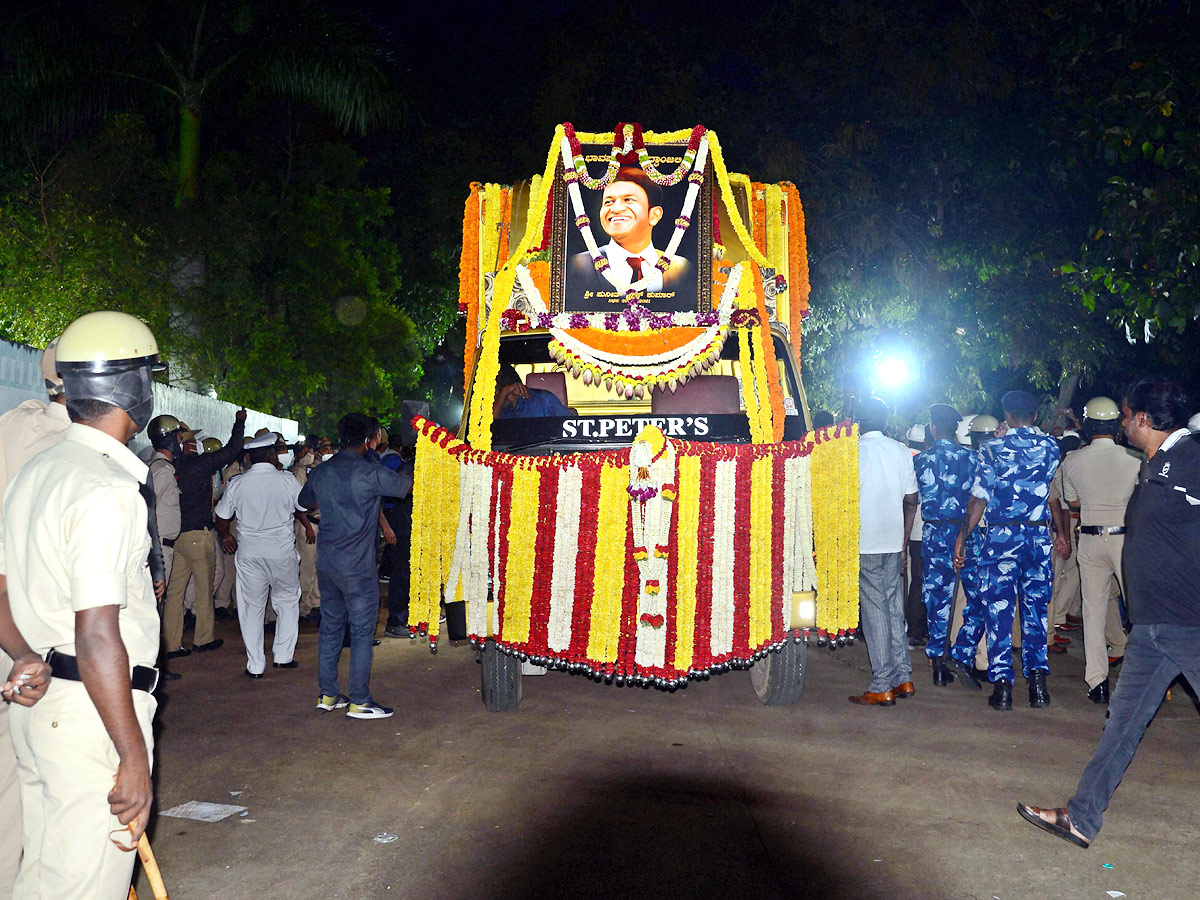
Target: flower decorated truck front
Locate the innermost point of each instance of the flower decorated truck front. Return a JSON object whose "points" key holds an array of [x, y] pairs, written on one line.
{"points": [[634, 493]]}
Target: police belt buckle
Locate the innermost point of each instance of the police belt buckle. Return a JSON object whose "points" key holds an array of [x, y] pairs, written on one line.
{"points": [[1102, 529], [66, 667]]}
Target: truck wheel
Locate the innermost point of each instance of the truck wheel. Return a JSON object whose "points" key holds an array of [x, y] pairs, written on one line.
{"points": [[778, 678], [501, 679]]}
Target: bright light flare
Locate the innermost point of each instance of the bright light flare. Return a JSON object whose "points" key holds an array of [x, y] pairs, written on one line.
{"points": [[893, 371]]}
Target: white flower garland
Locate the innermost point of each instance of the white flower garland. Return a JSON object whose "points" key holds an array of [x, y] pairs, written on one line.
{"points": [[681, 223], [723, 558], [475, 572], [652, 470], [566, 549]]}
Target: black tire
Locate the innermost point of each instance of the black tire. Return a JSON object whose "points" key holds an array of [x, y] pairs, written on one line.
{"points": [[778, 678], [501, 675]]}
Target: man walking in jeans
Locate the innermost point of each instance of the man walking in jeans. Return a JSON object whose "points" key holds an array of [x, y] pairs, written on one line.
{"points": [[887, 486], [348, 490], [1162, 568]]}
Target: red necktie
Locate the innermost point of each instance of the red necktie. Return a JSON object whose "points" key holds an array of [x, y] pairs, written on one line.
{"points": [[635, 263]]}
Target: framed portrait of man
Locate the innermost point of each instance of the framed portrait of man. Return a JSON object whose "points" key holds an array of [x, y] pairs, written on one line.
{"points": [[632, 221]]}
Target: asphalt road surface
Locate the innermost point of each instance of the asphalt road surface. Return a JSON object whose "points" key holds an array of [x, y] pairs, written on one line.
{"points": [[602, 792]]}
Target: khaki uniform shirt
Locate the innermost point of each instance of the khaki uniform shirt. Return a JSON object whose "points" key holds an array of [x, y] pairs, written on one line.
{"points": [[166, 496], [26, 431], [1100, 478], [73, 537]]}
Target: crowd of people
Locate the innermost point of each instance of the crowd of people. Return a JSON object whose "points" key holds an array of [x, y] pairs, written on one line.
{"points": [[1013, 521], [102, 554]]}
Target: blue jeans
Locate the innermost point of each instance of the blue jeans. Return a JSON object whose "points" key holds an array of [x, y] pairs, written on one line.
{"points": [[353, 597], [1154, 656]]}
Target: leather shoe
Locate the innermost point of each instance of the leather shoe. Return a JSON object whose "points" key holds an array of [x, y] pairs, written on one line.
{"points": [[966, 674], [942, 675], [1001, 698], [907, 689], [1074, 620], [211, 645], [887, 698], [250, 674], [1060, 641], [1066, 627], [291, 664], [1099, 694], [176, 654], [1039, 694]]}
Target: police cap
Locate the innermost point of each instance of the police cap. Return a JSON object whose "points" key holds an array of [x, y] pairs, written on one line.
{"points": [[1021, 403], [944, 416]]}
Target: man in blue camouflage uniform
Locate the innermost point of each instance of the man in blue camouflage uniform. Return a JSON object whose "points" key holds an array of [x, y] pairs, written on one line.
{"points": [[945, 474], [1012, 485]]}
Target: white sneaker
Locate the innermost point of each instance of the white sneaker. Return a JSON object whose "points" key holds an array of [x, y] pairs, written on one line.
{"points": [[327, 703], [368, 711]]}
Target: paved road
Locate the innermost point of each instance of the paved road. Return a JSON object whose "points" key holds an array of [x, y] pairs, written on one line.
{"points": [[605, 792]]}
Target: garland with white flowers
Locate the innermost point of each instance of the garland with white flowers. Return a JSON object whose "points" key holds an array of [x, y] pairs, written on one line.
{"points": [[573, 177], [652, 494], [469, 565], [724, 508], [566, 548]]}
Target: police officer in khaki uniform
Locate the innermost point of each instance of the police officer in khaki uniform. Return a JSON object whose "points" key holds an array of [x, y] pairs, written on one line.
{"points": [[80, 592], [1098, 480], [310, 591], [164, 433], [25, 431]]}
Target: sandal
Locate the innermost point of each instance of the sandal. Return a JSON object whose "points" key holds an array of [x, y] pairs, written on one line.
{"points": [[1061, 826]]}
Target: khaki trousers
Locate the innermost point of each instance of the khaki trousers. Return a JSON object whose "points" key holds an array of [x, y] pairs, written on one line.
{"points": [[10, 799], [224, 573], [310, 592], [193, 557], [66, 765], [1099, 568], [1066, 596]]}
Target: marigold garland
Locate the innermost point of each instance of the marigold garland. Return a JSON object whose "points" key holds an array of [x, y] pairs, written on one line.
{"points": [[468, 278], [798, 290]]}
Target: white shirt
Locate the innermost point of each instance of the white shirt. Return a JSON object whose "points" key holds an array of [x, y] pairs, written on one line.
{"points": [[622, 272], [885, 476], [27, 430], [73, 538], [264, 499]]}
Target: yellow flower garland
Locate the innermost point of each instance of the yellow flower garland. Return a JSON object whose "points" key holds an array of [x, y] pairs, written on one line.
{"points": [[435, 505], [480, 419], [735, 217], [522, 539], [609, 578], [687, 504], [835, 531]]}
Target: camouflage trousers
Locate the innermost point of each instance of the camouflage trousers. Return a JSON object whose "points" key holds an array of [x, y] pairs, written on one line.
{"points": [[937, 556], [1015, 572]]}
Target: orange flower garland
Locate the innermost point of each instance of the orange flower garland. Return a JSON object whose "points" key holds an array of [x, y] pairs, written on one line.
{"points": [[468, 279], [774, 390], [798, 286], [758, 216]]}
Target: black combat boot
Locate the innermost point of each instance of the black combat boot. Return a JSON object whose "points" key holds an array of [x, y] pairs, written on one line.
{"points": [[1001, 696], [1039, 695], [942, 675]]}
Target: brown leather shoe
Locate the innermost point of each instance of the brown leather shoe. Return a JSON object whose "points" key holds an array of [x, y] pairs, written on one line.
{"points": [[904, 690], [887, 698]]}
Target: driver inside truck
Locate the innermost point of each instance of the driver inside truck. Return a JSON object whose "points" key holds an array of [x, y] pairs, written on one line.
{"points": [[515, 401]]}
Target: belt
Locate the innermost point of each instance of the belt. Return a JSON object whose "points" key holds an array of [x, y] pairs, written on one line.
{"points": [[943, 521], [168, 542], [1074, 515], [143, 678], [1101, 529], [1041, 523]]}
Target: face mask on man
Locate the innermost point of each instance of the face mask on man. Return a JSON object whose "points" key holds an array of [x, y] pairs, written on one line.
{"points": [[286, 459], [326, 456]]}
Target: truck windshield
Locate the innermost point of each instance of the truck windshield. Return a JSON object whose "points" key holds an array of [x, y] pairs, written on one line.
{"points": [[565, 415]]}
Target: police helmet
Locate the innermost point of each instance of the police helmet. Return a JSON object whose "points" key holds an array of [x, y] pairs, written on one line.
{"points": [[109, 356], [1101, 409], [54, 384], [160, 426], [915, 434], [211, 445], [983, 423], [962, 433]]}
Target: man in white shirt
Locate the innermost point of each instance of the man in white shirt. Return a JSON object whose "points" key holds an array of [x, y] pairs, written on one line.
{"points": [[887, 502], [264, 501]]}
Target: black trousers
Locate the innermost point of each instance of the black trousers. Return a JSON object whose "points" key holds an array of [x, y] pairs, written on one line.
{"points": [[914, 600]]}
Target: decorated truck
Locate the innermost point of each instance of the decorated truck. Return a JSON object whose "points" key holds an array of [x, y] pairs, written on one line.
{"points": [[635, 493]]}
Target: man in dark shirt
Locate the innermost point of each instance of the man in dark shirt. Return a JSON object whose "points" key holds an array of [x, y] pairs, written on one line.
{"points": [[1162, 568], [348, 490], [195, 552]]}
